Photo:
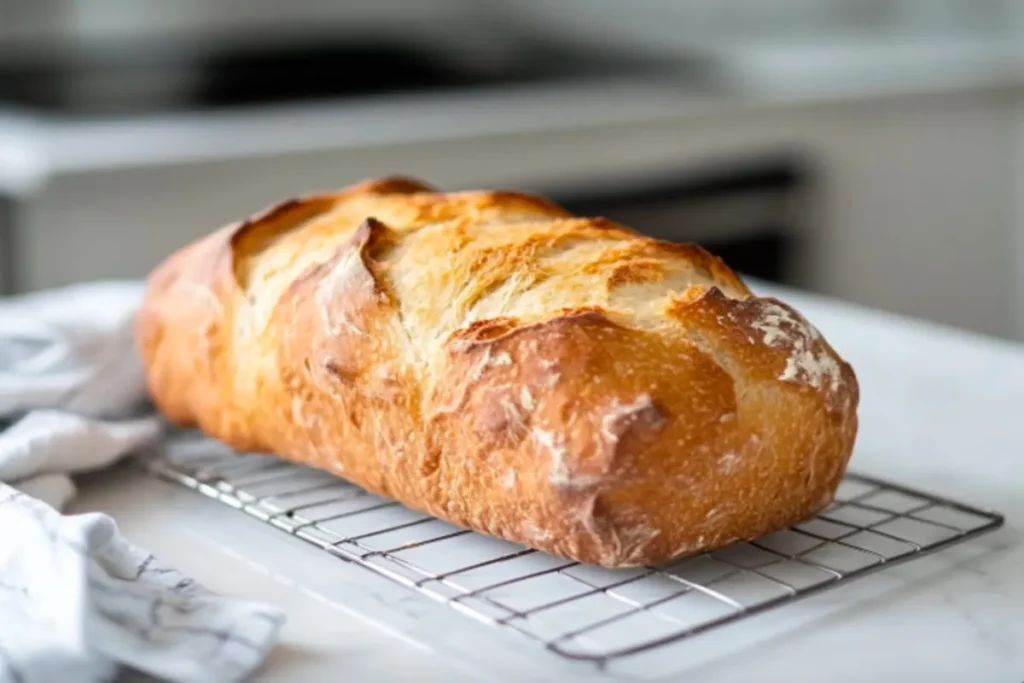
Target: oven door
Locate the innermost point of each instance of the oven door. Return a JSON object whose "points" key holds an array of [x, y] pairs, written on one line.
{"points": [[746, 213]]}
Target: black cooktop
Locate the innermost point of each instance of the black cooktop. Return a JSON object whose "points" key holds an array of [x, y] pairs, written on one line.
{"points": [[123, 79]]}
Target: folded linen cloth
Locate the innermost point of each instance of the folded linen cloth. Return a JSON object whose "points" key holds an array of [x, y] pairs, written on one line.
{"points": [[77, 600]]}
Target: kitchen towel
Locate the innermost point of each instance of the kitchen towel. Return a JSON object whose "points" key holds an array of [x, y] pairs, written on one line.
{"points": [[77, 600]]}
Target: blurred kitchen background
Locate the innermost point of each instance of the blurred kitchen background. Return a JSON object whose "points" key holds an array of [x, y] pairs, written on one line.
{"points": [[871, 150]]}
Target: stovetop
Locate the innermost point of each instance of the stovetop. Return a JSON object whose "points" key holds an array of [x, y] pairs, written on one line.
{"points": [[134, 79]]}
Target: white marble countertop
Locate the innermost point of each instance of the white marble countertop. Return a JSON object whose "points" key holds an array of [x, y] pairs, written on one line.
{"points": [[941, 410]]}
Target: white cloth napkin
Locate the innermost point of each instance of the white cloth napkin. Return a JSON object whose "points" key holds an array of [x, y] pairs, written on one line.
{"points": [[77, 600]]}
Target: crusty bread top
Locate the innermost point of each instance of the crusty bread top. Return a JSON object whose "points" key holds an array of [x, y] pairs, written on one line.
{"points": [[498, 323], [525, 260]]}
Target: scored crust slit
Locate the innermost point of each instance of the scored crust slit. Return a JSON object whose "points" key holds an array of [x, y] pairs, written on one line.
{"points": [[488, 358]]}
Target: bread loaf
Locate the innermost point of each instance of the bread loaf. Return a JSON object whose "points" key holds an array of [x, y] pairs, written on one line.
{"points": [[489, 359]]}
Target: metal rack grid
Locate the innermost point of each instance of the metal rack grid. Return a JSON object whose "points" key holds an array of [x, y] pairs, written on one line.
{"points": [[580, 611]]}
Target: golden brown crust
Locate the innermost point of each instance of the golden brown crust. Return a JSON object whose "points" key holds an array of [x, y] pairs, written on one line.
{"points": [[485, 357]]}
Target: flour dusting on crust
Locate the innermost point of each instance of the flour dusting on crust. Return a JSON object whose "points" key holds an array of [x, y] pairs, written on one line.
{"points": [[535, 533], [621, 414], [728, 463], [508, 480], [560, 475], [490, 361], [809, 361]]}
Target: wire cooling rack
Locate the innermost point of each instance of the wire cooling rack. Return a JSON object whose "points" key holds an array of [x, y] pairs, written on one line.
{"points": [[580, 611]]}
